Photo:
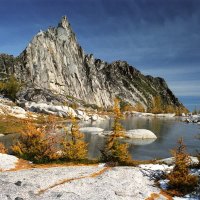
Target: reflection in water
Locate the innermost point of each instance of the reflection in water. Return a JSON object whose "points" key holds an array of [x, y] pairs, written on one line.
{"points": [[168, 132], [95, 143], [138, 141]]}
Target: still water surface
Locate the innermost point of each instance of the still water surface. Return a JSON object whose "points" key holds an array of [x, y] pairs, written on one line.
{"points": [[168, 132]]}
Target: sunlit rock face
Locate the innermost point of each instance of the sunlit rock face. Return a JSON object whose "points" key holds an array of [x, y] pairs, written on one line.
{"points": [[54, 61]]}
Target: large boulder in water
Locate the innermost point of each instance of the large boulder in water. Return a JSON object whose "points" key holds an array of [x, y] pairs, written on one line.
{"points": [[140, 134]]}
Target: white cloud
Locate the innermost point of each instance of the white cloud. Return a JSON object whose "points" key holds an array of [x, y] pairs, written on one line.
{"points": [[166, 71]]}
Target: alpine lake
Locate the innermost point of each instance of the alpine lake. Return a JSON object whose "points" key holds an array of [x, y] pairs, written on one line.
{"points": [[167, 130]]}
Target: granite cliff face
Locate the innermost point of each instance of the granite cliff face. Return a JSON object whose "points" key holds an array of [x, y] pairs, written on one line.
{"points": [[55, 63]]}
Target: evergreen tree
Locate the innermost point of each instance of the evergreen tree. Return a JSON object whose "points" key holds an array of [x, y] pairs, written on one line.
{"points": [[10, 87], [180, 178], [157, 105], [34, 144], [74, 147], [113, 150]]}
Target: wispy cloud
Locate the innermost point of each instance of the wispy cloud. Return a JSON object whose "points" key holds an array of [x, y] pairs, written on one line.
{"points": [[171, 71], [160, 38], [185, 87]]}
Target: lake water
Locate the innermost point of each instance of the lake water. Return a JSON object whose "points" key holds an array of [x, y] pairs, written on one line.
{"points": [[168, 132]]}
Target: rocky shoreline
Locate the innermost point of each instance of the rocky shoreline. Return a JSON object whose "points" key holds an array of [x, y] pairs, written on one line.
{"points": [[192, 119], [8, 107], [81, 182]]}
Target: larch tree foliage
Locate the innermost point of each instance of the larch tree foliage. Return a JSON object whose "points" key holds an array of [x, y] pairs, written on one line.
{"points": [[35, 144], [10, 87], [113, 151], [157, 105], [74, 148], [139, 107], [180, 178], [3, 148]]}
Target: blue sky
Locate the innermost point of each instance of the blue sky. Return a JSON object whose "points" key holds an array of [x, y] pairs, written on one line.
{"points": [[158, 37]]}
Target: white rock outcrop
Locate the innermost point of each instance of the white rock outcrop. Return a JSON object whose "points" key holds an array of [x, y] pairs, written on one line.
{"points": [[143, 114], [192, 119], [14, 111], [86, 182], [94, 117], [167, 115], [138, 134], [7, 162], [62, 111]]}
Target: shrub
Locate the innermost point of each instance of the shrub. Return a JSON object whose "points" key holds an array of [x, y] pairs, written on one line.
{"points": [[179, 178], [170, 109], [139, 107], [73, 105], [3, 148], [195, 112], [180, 110], [51, 123], [10, 87], [113, 150], [73, 146], [157, 105], [33, 144], [124, 105]]}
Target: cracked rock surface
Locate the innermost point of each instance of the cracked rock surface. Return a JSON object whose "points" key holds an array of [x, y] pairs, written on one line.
{"points": [[76, 183]]}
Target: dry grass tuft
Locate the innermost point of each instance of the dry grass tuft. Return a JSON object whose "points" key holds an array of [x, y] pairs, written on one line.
{"points": [[3, 148], [93, 175]]}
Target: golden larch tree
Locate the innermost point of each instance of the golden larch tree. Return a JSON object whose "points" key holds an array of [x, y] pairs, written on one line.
{"points": [[3, 148], [34, 144], [113, 151], [180, 178], [74, 148], [157, 105]]}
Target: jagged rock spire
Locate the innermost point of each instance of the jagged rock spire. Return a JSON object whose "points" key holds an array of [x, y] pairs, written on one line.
{"points": [[56, 62], [64, 23]]}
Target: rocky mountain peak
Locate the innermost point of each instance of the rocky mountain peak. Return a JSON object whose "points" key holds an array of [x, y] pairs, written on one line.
{"points": [[64, 23], [54, 61]]}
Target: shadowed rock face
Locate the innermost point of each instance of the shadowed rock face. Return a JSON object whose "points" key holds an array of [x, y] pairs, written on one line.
{"points": [[54, 61]]}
